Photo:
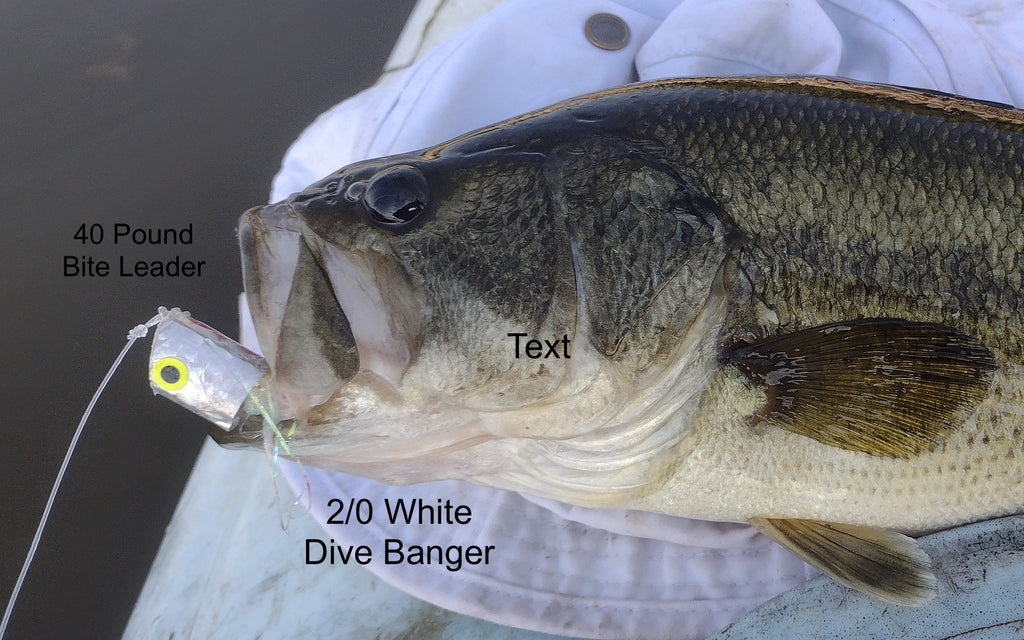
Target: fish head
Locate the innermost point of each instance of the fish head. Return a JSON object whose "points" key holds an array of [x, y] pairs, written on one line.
{"points": [[397, 262], [419, 306]]}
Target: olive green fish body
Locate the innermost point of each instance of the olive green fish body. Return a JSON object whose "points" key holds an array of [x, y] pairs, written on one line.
{"points": [[793, 302], [911, 208], [864, 211]]}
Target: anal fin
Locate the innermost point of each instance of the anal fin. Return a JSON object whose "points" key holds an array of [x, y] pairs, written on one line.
{"points": [[880, 563]]}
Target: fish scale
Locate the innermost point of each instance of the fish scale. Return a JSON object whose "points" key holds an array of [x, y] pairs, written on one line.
{"points": [[952, 202], [977, 471]]}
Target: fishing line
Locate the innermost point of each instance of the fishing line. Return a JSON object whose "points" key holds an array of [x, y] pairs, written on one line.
{"points": [[235, 362], [139, 331]]}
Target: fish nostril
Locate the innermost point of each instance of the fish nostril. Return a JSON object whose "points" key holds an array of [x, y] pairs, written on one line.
{"points": [[355, 191], [304, 196], [299, 201], [314, 192], [326, 196]]}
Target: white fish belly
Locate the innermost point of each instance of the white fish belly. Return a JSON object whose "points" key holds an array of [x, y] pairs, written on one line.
{"points": [[731, 469]]}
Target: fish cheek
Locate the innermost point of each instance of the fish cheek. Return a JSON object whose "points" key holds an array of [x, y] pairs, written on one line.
{"points": [[493, 260]]}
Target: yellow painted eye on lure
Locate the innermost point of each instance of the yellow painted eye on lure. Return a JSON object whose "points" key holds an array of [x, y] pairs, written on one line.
{"points": [[170, 373]]}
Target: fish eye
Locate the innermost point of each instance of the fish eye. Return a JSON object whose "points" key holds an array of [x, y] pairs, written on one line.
{"points": [[396, 197], [170, 373]]}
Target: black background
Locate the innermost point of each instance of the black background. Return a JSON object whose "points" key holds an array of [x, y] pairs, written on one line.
{"points": [[156, 114]]}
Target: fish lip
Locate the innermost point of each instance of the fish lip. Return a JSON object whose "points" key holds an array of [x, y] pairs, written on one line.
{"points": [[268, 244]]}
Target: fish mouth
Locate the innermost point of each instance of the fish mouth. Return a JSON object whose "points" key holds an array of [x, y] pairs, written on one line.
{"points": [[323, 313]]}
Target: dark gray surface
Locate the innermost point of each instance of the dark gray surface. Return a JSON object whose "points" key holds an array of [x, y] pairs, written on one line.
{"points": [[156, 114]]}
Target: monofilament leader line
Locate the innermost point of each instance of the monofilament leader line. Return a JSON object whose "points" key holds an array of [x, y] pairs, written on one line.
{"points": [[139, 331]]}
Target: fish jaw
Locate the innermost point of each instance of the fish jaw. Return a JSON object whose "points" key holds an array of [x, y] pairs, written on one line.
{"points": [[322, 314]]}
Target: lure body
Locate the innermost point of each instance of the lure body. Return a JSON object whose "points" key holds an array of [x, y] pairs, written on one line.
{"points": [[201, 369]]}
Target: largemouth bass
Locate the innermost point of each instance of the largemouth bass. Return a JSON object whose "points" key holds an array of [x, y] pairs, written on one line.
{"points": [[797, 303]]}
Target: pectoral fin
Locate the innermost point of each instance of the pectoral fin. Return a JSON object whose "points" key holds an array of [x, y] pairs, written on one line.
{"points": [[881, 386], [880, 563]]}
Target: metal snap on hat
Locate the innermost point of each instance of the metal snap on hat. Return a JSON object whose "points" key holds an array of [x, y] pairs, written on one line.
{"points": [[607, 31]]}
